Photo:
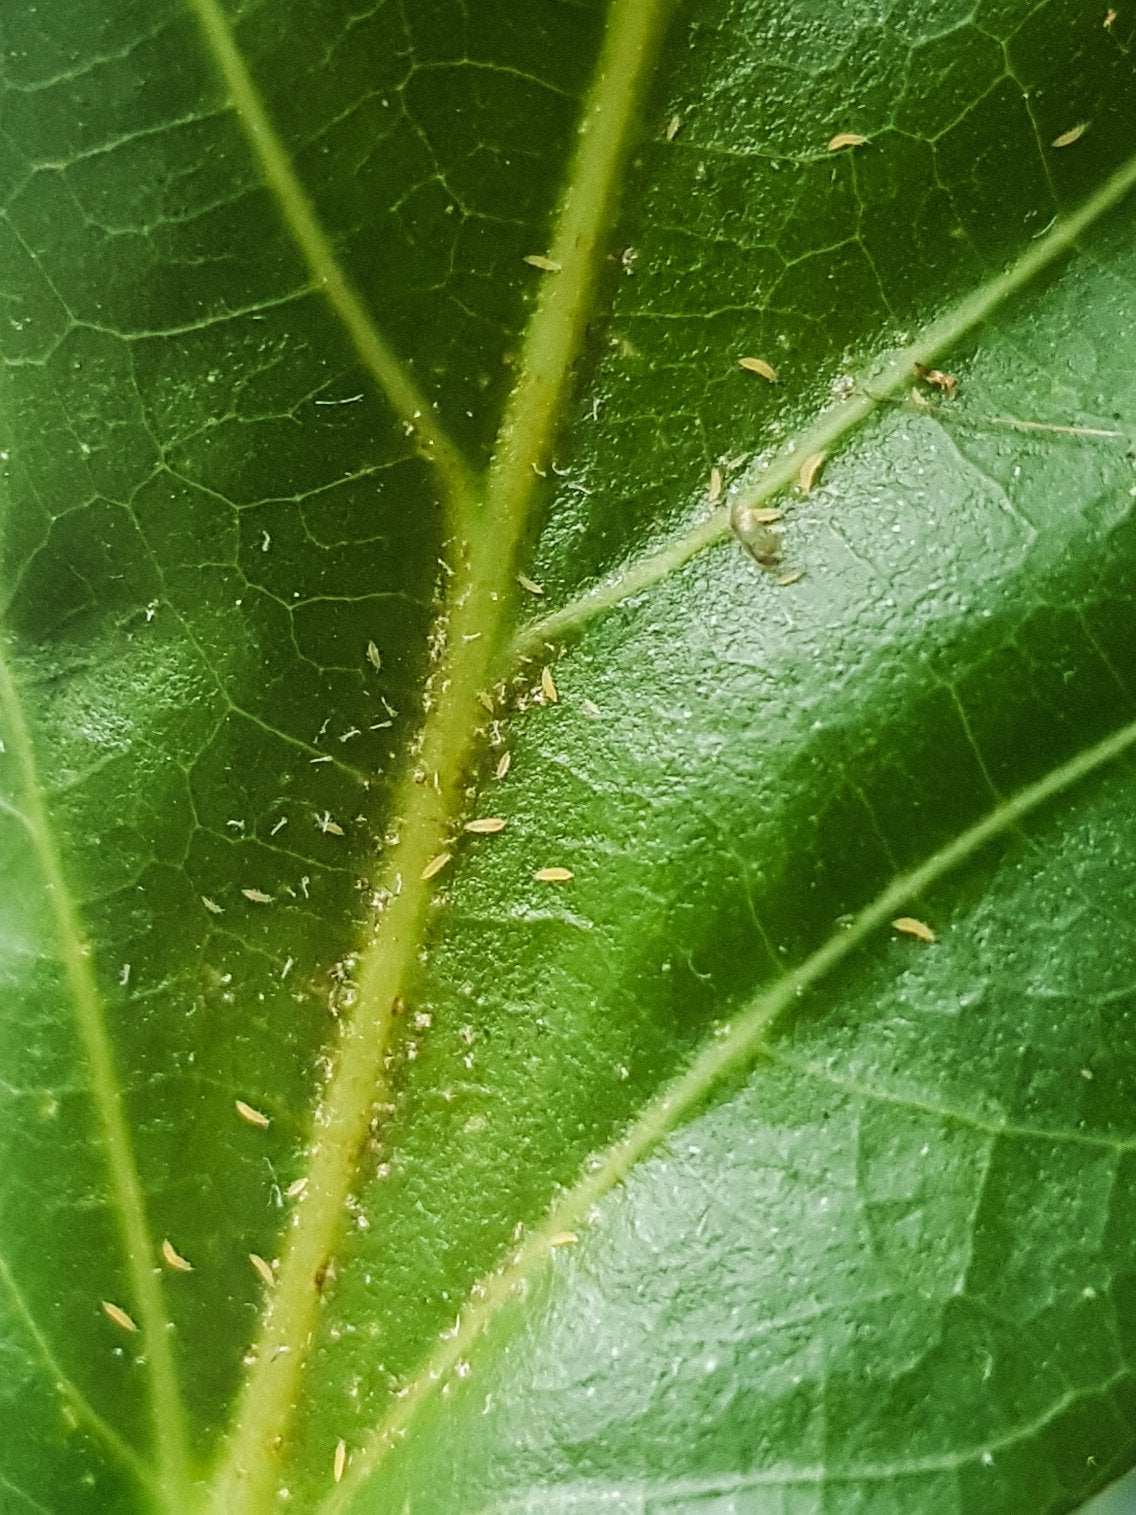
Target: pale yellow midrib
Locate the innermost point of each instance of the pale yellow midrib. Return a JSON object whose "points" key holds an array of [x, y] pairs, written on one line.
{"points": [[394, 378], [734, 1047], [480, 605], [832, 428], [171, 1453]]}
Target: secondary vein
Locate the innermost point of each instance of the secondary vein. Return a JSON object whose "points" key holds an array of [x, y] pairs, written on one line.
{"points": [[167, 1413], [833, 427], [431, 797], [393, 377], [734, 1047]]}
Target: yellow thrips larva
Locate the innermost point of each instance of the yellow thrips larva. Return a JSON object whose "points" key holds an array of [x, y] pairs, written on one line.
{"points": [[845, 139], [296, 1188], [262, 1267], [328, 826], [257, 896], [563, 1239], [435, 865], [211, 905], [374, 656], [1109, 18], [790, 578], [761, 367], [530, 584], [714, 493], [504, 762], [672, 127], [546, 265], [552, 875], [809, 470], [909, 926], [488, 825], [485, 699], [548, 685], [1074, 134], [339, 1462], [173, 1258], [118, 1315], [254, 1117]]}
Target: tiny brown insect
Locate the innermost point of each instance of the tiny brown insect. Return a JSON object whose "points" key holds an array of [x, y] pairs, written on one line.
{"points": [[910, 926], [546, 265], [751, 527], [945, 382], [253, 1117], [173, 1258], [553, 875], [845, 139], [118, 1315], [760, 367]]}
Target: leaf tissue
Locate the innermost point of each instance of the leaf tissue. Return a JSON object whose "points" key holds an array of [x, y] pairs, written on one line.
{"points": [[513, 1001]]}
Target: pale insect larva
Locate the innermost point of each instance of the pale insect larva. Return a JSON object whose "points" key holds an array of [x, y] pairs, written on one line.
{"points": [[548, 685], [212, 906], [760, 367], [714, 493], [809, 471], [910, 926], [263, 1268], [257, 896], [1074, 134], [252, 1116], [563, 1239], [339, 1461], [553, 875], [118, 1315], [435, 865], [845, 139], [530, 585], [671, 130], [546, 265], [504, 762], [173, 1258], [374, 656], [487, 825]]}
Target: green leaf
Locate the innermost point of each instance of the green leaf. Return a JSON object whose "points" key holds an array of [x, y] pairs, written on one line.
{"points": [[416, 1176]]}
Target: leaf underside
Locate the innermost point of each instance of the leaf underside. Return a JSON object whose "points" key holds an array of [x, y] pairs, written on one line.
{"points": [[879, 1253]]}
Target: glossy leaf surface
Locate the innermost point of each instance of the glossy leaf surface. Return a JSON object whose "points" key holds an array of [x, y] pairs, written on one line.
{"points": [[675, 1178]]}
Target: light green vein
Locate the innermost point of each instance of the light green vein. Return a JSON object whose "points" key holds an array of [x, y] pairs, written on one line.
{"points": [[894, 374], [949, 1114], [167, 1414], [432, 794], [393, 377], [735, 1046], [76, 1401]]}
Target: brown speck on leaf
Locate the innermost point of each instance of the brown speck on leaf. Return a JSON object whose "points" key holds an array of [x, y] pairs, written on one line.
{"points": [[504, 762], [173, 1258], [546, 265], [751, 527], [263, 1268], [117, 1314], [339, 1462], [530, 585], [252, 1116], [760, 367], [435, 865], [714, 493], [257, 896], [553, 875], [845, 139], [946, 383], [548, 685], [809, 471], [908, 925], [1074, 134]]}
